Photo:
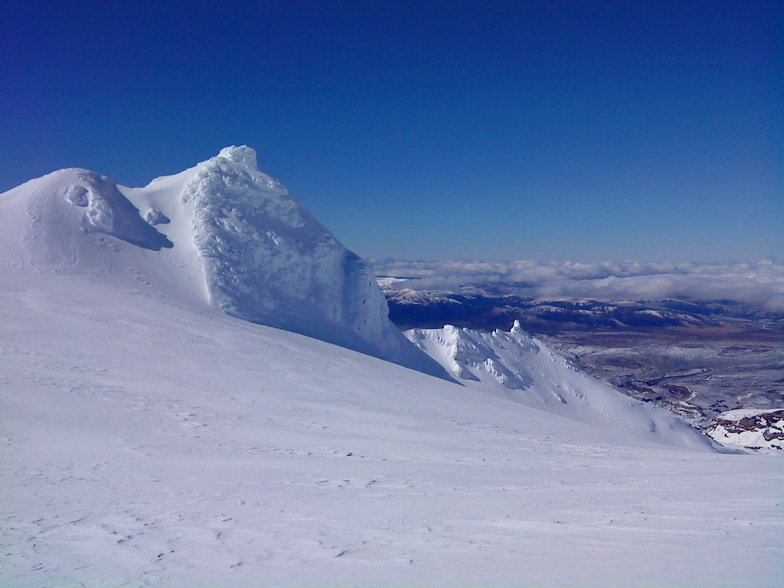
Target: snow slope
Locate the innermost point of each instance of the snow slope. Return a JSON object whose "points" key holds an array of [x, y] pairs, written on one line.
{"points": [[144, 443], [149, 438], [519, 367], [221, 233]]}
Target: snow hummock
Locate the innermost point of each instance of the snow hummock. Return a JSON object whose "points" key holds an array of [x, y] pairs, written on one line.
{"points": [[519, 367], [222, 232], [62, 220]]}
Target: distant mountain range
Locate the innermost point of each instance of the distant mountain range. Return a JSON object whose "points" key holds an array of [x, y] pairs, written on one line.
{"points": [[492, 306]]}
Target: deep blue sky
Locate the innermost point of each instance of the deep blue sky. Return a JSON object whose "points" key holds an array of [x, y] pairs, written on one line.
{"points": [[431, 129]]}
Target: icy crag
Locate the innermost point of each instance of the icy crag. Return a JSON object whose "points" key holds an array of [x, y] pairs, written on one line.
{"points": [[267, 260]]}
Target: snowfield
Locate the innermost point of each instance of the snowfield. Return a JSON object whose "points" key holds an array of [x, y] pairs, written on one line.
{"points": [[150, 438], [149, 444]]}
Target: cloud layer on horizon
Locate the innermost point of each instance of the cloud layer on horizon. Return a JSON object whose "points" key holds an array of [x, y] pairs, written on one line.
{"points": [[760, 284]]}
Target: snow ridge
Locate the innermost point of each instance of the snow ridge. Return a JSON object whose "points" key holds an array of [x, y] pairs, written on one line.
{"points": [[521, 368]]}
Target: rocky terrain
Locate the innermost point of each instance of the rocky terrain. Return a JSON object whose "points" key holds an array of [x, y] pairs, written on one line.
{"points": [[760, 430], [696, 379]]}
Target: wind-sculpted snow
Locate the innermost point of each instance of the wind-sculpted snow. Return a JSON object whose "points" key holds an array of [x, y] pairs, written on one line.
{"points": [[54, 221], [267, 260], [223, 231], [519, 367]]}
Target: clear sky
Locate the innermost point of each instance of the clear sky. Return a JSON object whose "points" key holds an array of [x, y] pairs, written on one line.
{"points": [[591, 130]]}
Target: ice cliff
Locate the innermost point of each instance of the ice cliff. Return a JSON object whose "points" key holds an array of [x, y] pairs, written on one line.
{"points": [[223, 233]]}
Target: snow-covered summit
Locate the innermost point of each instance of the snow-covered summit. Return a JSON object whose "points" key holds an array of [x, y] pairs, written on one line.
{"points": [[222, 233], [519, 367]]}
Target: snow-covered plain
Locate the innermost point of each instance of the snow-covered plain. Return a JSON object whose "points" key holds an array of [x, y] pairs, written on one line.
{"points": [[149, 438]]}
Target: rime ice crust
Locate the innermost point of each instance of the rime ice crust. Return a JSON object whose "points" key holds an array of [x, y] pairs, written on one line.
{"points": [[267, 260], [241, 154]]}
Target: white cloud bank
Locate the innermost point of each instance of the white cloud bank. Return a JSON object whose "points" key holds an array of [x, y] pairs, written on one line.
{"points": [[760, 283]]}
